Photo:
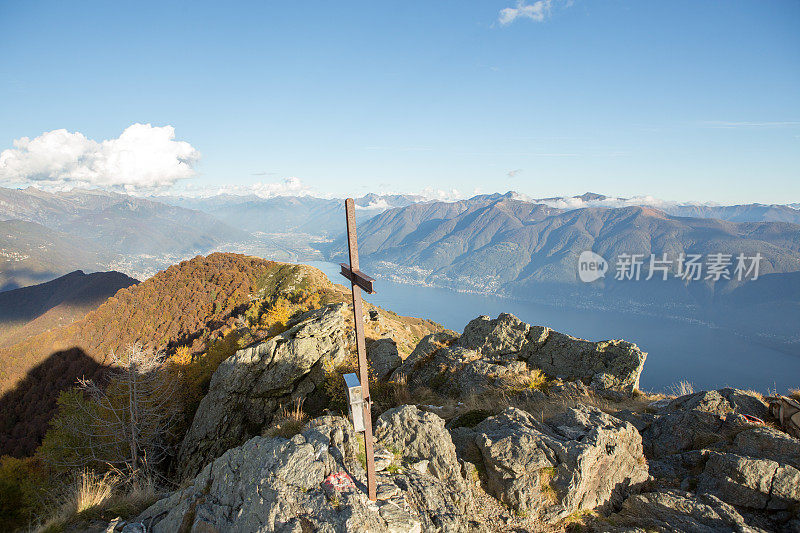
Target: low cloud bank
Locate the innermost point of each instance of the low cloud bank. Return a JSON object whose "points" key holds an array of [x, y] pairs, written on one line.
{"points": [[143, 157]]}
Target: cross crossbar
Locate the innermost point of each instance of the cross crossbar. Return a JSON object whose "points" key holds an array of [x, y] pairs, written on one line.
{"points": [[358, 277]]}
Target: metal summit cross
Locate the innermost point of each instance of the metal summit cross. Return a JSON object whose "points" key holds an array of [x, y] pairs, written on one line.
{"points": [[358, 281]]}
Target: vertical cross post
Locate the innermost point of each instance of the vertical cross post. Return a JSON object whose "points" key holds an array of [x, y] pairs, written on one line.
{"points": [[359, 280]]}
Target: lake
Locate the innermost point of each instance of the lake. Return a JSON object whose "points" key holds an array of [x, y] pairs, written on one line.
{"points": [[708, 357]]}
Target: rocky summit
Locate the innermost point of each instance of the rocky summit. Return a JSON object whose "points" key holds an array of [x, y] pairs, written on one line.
{"points": [[506, 427]]}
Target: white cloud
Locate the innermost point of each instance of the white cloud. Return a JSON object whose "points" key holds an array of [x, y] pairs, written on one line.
{"points": [[143, 157], [513, 173], [537, 11], [379, 204], [442, 195], [570, 203], [291, 186]]}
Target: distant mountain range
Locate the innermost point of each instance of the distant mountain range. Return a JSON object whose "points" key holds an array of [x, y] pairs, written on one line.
{"points": [[31, 253], [733, 213], [501, 242], [116, 222], [497, 243], [503, 245], [289, 214]]}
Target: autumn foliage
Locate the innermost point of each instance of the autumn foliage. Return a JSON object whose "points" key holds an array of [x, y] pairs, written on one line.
{"points": [[199, 312]]}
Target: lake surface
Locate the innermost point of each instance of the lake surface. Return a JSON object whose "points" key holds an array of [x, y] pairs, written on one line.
{"points": [[708, 357]]}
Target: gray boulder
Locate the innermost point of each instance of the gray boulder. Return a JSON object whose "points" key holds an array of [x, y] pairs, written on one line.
{"points": [[677, 511], [583, 459], [614, 365], [706, 419], [767, 443], [278, 485], [749, 482], [249, 387], [501, 338], [422, 352], [421, 440], [275, 484], [720, 402], [488, 349], [383, 357]]}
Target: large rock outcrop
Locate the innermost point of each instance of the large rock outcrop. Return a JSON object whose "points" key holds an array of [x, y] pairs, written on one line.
{"points": [[582, 459], [275, 484], [249, 387], [699, 420], [750, 482], [715, 444], [494, 353], [677, 511]]}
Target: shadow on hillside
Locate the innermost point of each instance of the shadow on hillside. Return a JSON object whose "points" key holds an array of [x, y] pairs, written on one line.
{"points": [[26, 410], [75, 289], [21, 277]]}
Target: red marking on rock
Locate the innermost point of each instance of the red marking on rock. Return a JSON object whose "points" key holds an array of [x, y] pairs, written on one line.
{"points": [[339, 481]]}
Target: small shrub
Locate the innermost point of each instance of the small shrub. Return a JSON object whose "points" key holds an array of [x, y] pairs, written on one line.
{"points": [[21, 482]]}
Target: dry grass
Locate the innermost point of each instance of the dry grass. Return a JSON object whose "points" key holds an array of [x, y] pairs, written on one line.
{"points": [[402, 394], [794, 394], [533, 380], [89, 492], [546, 484], [682, 388], [580, 521], [290, 420]]}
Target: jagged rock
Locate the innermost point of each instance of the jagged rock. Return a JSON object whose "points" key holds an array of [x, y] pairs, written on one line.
{"points": [[276, 485], [677, 511], [750, 482], [491, 351], [705, 419], [420, 437], [582, 459], [682, 431], [767, 443], [787, 412], [423, 351], [501, 338], [614, 365], [251, 385], [608, 365], [720, 402], [383, 357]]}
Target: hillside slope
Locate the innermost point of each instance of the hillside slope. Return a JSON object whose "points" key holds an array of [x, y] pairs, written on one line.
{"points": [[203, 305], [31, 253], [188, 304], [29, 311]]}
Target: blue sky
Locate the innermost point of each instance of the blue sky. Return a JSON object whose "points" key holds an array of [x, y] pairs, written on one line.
{"points": [[695, 100]]}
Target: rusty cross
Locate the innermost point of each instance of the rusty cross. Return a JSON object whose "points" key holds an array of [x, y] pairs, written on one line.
{"points": [[358, 281]]}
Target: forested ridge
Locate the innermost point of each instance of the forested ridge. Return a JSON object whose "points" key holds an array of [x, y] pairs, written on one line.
{"points": [[190, 311]]}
